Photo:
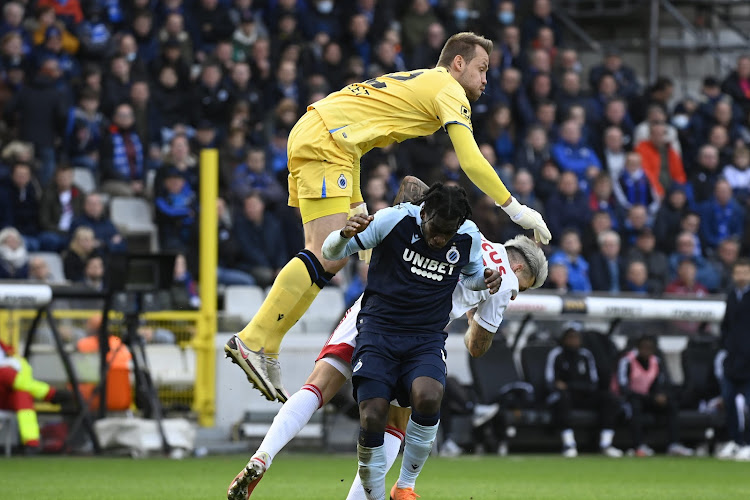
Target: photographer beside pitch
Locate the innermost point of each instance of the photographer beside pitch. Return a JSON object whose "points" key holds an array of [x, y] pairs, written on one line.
{"points": [[324, 150]]}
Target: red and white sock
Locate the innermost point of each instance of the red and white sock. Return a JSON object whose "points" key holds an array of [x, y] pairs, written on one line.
{"points": [[292, 417]]}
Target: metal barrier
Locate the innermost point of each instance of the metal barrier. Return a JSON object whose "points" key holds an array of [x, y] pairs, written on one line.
{"points": [[173, 366]]}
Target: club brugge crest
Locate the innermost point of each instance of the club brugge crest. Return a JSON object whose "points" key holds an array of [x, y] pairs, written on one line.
{"points": [[342, 181], [453, 255]]}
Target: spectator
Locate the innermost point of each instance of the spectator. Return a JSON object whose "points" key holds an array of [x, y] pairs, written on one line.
{"points": [[691, 223], [634, 188], [533, 152], [39, 270], [601, 222], [261, 243], [173, 31], [656, 261], [568, 207], [82, 246], [685, 249], [706, 173], [13, 14], [661, 163], [14, 258], [178, 157], [718, 137], [727, 254], [47, 18], [39, 111], [667, 222], [93, 33], [523, 189], [572, 155], [122, 156], [512, 94], [176, 209], [19, 205], [248, 30], [184, 292], [636, 279], [212, 24], [544, 115], [644, 382], [541, 16], [721, 216], [573, 383], [558, 278], [738, 174], [660, 93], [83, 131], [602, 198], [106, 237], [615, 115], [145, 36], [607, 267], [116, 83], [570, 93], [735, 370], [570, 255], [229, 251], [146, 118], [211, 94], [635, 222], [627, 81], [657, 114], [613, 152], [415, 24], [736, 85], [685, 282], [93, 272], [52, 48], [171, 100], [61, 202]]}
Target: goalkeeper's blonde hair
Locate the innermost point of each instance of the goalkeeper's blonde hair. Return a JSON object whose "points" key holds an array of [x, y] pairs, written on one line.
{"points": [[532, 257]]}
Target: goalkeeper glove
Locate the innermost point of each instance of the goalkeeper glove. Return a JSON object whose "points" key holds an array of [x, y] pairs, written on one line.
{"points": [[528, 218]]}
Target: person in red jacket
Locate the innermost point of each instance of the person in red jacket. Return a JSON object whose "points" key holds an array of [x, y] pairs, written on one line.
{"points": [[661, 163]]}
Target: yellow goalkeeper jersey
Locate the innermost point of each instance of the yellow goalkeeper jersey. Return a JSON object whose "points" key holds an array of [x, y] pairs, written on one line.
{"points": [[392, 108]]}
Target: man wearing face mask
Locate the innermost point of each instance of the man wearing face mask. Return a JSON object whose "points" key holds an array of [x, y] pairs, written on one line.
{"points": [[324, 151]]}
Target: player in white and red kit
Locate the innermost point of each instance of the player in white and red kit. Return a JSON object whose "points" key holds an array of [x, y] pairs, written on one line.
{"points": [[522, 266]]}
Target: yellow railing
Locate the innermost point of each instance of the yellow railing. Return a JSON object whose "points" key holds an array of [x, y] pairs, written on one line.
{"points": [[185, 325]]}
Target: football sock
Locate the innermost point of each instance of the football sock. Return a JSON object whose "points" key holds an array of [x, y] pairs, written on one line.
{"points": [[605, 438], [417, 447], [292, 417], [288, 288], [273, 343], [372, 469], [392, 444], [568, 438]]}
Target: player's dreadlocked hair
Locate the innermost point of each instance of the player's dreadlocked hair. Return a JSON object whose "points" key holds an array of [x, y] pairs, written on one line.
{"points": [[449, 203]]}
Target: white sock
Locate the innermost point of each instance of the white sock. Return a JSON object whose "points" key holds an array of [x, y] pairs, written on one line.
{"points": [[417, 447], [371, 471], [292, 417], [568, 438], [392, 446], [605, 438]]}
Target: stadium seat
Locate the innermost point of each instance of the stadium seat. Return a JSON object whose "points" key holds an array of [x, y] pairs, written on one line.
{"points": [[171, 366], [326, 311], [533, 363], [7, 429], [84, 179], [133, 217], [243, 301], [496, 379], [54, 263]]}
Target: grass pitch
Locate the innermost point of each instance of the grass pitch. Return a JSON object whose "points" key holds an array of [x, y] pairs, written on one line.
{"points": [[314, 477]]}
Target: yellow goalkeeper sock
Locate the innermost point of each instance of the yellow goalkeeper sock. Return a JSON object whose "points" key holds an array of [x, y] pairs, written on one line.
{"points": [[288, 288], [273, 342]]}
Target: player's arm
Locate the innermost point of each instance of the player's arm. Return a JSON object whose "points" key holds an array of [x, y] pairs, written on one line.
{"points": [[481, 173], [475, 275], [361, 232], [411, 190], [477, 338]]}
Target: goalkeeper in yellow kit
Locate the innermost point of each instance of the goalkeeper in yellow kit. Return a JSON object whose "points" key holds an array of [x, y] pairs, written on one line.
{"points": [[324, 150]]}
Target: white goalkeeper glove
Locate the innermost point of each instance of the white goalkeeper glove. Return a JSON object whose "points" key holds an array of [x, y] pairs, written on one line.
{"points": [[528, 218], [364, 255]]}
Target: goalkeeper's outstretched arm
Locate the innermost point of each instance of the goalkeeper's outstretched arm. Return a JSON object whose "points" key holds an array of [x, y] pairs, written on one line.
{"points": [[481, 173]]}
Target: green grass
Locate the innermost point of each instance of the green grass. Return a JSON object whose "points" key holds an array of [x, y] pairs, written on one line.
{"points": [[313, 477]]}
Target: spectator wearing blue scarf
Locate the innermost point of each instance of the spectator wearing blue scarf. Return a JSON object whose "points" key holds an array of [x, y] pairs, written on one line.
{"points": [[721, 216]]}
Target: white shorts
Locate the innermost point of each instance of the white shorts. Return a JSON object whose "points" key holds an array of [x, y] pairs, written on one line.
{"points": [[339, 347]]}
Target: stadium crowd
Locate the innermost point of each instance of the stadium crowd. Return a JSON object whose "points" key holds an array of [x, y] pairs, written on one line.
{"points": [[642, 194]]}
